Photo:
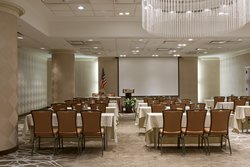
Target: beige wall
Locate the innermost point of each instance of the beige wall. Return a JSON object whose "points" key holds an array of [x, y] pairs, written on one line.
{"points": [[86, 78], [232, 72], [188, 78], [32, 80], [209, 78], [111, 70]]}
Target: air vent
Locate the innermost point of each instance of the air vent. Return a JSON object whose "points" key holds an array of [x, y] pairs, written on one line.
{"points": [[84, 43], [218, 42], [163, 49], [170, 41]]}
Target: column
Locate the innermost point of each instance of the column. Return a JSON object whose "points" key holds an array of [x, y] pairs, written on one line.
{"points": [[63, 75], [9, 14]]}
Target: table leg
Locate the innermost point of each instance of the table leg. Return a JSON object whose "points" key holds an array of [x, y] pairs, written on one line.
{"points": [[106, 137]]}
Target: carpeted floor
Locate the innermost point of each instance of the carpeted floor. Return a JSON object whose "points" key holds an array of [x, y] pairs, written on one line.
{"points": [[130, 151]]}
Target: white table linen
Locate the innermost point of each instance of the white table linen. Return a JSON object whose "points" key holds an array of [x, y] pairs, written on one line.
{"points": [[241, 112], [107, 121]]}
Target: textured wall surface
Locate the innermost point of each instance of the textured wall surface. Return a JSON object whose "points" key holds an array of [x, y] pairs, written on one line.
{"points": [[86, 77], [232, 75], [32, 80], [188, 77]]}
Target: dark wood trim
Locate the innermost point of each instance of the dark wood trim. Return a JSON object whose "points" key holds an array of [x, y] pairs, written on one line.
{"points": [[14, 149]]}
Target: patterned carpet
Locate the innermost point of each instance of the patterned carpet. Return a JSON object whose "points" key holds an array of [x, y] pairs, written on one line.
{"points": [[130, 151]]}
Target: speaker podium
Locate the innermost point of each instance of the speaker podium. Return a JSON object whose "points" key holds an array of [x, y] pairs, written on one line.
{"points": [[128, 92]]}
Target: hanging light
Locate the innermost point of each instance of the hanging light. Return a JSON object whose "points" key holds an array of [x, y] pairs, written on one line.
{"points": [[194, 18]]}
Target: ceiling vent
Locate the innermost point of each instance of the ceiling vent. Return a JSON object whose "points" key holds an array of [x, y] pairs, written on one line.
{"points": [[63, 1], [84, 43]]}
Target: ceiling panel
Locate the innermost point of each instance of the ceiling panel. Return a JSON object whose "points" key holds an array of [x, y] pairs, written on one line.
{"points": [[63, 13], [124, 1], [101, 1], [103, 7], [58, 7], [124, 7], [84, 13], [104, 13]]}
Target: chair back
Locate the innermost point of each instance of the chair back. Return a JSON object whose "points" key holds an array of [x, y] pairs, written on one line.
{"points": [[218, 99], [91, 123], [197, 106], [98, 106], [178, 106], [67, 126], [195, 121], [102, 100], [239, 102], [77, 106], [42, 120], [245, 97], [69, 103], [219, 121], [172, 121], [168, 102], [58, 106], [231, 98], [157, 108], [187, 102], [152, 101]]}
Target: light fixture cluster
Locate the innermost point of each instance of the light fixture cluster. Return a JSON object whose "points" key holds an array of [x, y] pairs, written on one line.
{"points": [[155, 55], [194, 18], [123, 55], [124, 13]]}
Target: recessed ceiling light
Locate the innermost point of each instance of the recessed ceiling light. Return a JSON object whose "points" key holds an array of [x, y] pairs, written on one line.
{"points": [[20, 37], [190, 39], [171, 12], [80, 7], [182, 44], [121, 14], [127, 13], [95, 47], [207, 10], [90, 40], [188, 12], [176, 55], [42, 48], [199, 49], [122, 55], [154, 55]]}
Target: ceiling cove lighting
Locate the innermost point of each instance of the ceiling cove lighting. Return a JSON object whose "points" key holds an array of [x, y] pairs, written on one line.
{"points": [[80, 7], [194, 18]]}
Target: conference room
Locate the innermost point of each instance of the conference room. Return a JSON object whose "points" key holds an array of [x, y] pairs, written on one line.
{"points": [[124, 82]]}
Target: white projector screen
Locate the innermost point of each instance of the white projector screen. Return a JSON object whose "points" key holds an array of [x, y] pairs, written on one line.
{"points": [[149, 76]]}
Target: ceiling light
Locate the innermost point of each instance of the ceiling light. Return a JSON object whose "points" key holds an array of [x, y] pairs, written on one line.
{"points": [[90, 40], [95, 47], [182, 44], [20, 37], [176, 55], [190, 39], [199, 49], [122, 55], [121, 14], [127, 13], [80, 7], [42, 48], [140, 40], [202, 17], [154, 55]]}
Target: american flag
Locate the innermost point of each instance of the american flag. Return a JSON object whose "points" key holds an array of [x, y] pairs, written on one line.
{"points": [[104, 80]]}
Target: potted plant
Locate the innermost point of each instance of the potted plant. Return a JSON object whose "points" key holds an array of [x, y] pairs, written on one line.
{"points": [[130, 104]]}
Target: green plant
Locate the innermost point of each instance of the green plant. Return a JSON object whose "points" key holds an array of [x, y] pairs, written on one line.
{"points": [[129, 103]]}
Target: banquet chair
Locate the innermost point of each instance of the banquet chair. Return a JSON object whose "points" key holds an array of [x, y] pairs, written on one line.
{"points": [[187, 102], [98, 106], [218, 99], [240, 102], [218, 127], [42, 120], [152, 101], [178, 106], [157, 108], [197, 106], [67, 127], [171, 127], [78, 107], [195, 125], [231, 98], [58, 106], [91, 127]]}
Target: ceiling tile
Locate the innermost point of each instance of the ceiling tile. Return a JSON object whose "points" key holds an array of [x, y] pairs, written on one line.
{"points": [[63, 13], [104, 13], [75, 7], [123, 7], [101, 1], [103, 7], [124, 1], [84, 13], [58, 7]]}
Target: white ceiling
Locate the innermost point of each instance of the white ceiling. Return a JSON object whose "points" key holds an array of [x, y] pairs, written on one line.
{"points": [[99, 30]]}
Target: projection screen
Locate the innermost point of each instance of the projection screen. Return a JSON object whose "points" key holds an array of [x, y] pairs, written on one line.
{"points": [[149, 76]]}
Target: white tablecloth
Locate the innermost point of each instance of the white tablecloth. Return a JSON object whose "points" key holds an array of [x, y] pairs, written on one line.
{"points": [[154, 122], [224, 105], [107, 121], [239, 116]]}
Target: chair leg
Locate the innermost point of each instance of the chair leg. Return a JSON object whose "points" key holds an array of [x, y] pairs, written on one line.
{"points": [[55, 145], [199, 138], [178, 141], [208, 145], [203, 141], [33, 145], [39, 144], [62, 142], [161, 142], [158, 140], [103, 144], [183, 145], [229, 145], [221, 141]]}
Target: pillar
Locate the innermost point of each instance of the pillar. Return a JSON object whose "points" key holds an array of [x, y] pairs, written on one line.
{"points": [[9, 14], [63, 75]]}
